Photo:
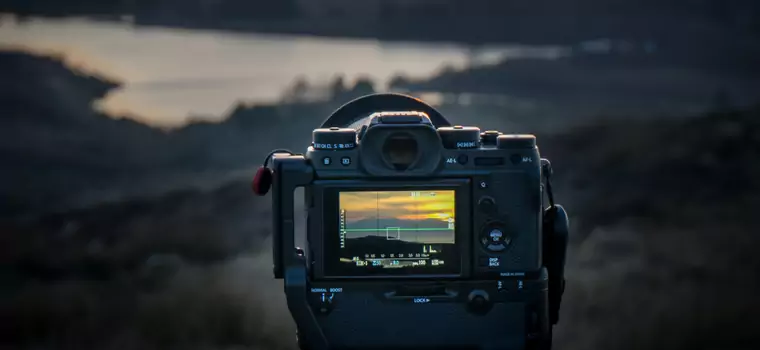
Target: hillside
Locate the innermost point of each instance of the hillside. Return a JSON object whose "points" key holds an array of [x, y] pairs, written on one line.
{"points": [[617, 80], [650, 202], [52, 139], [663, 232], [63, 153]]}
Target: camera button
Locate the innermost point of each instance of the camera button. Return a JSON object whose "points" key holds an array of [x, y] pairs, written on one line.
{"points": [[483, 184], [462, 159], [345, 161], [326, 161], [515, 159], [323, 302], [487, 205], [496, 247], [479, 302]]}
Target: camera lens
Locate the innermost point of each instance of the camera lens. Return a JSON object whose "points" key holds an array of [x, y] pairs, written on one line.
{"points": [[400, 150]]}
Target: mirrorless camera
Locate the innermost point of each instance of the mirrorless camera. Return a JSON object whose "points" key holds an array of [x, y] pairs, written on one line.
{"points": [[420, 235]]}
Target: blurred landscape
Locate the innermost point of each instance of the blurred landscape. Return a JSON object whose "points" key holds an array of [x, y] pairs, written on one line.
{"points": [[121, 233], [471, 21]]}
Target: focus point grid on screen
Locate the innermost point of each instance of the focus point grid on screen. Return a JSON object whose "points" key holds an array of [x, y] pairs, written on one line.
{"points": [[410, 231]]}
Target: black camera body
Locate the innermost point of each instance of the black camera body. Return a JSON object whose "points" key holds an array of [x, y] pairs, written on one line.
{"points": [[420, 235]]}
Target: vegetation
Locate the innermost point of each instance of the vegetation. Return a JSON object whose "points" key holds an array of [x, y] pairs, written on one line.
{"points": [[663, 252]]}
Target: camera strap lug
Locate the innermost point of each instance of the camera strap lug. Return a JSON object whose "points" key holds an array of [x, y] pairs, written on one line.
{"points": [[262, 181], [555, 241], [547, 171]]}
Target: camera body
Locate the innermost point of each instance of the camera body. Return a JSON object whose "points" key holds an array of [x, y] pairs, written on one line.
{"points": [[419, 237]]}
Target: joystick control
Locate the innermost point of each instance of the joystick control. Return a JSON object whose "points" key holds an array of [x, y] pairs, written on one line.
{"points": [[494, 237]]}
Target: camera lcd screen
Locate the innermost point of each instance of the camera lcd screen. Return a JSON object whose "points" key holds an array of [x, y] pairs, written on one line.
{"points": [[396, 233]]}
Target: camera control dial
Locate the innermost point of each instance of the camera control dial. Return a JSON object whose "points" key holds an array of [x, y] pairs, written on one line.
{"points": [[515, 141], [488, 138], [460, 137]]}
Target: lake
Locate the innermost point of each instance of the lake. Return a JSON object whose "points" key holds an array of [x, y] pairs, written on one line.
{"points": [[170, 75]]}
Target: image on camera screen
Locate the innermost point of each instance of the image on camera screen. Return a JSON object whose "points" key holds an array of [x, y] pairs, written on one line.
{"points": [[398, 230]]}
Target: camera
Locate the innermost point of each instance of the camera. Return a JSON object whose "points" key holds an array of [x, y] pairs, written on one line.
{"points": [[420, 234]]}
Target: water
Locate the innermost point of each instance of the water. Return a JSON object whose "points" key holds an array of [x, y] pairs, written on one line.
{"points": [[171, 74]]}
